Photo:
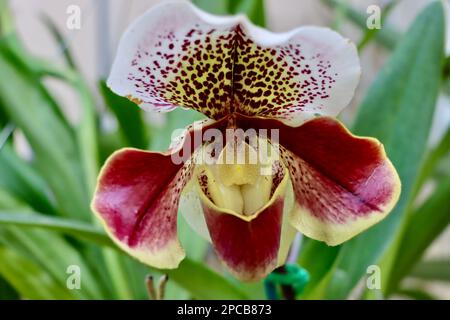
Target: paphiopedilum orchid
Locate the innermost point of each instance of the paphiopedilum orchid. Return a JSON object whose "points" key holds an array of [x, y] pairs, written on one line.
{"points": [[326, 183]]}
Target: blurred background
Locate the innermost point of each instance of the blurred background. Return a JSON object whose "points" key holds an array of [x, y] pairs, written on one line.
{"points": [[92, 49]]}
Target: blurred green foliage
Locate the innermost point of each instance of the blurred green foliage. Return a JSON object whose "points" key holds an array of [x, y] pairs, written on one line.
{"points": [[46, 224]]}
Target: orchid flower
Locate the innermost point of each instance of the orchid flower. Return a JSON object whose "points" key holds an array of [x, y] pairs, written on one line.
{"points": [[323, 181]]}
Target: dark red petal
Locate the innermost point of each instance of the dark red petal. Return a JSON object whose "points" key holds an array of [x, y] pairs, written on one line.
{"points": [[248, 245], [248, 248], [137, 199], [343, 184]]}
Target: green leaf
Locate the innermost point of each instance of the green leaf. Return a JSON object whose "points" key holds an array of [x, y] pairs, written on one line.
{"points": [[253, 290], [6, 24], [219, 7], [119, 279], [7, 200], [416, 294], [86, 129], [29, 279], [36, 68], [386, 36], [254, 9], [435, 270], [200, 281], [59, 38], [423, 226], [194, 245], [74, 228], [398, 110], [44, 248], [54, 254], [23, 182], [129, 118], [310, 252], [86, 134], [432, 160], [7, 292], [28, 106], [108, 143], [204, 283]]}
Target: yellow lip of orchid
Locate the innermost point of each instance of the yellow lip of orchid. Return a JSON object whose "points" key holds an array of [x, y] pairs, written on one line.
{"points": [[239, 180]]}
